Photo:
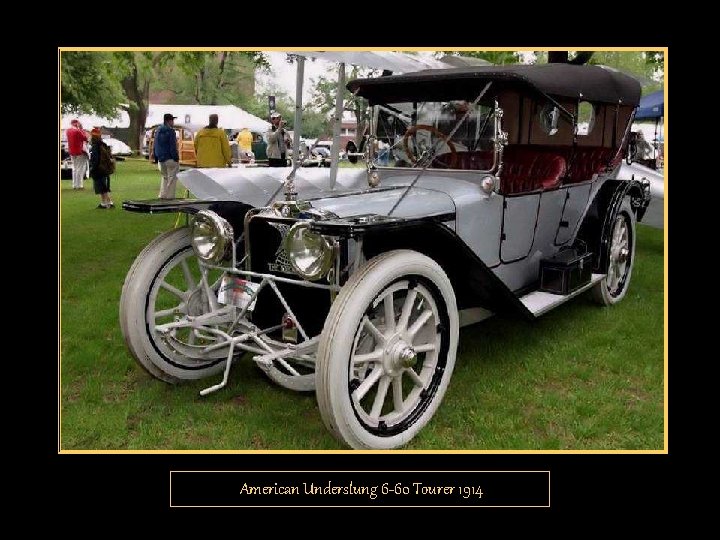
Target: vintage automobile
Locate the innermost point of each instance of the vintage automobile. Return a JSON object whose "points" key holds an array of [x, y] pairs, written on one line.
{"points": [[354, 282], [185, 137]]}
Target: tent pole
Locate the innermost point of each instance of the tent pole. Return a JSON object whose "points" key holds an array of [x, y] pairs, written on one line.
{"points": [[335, 151], [297, 127]]}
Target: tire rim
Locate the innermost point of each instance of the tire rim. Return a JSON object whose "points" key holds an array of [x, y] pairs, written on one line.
{"points": [[620, 258], [398, 358], [175, 293]]}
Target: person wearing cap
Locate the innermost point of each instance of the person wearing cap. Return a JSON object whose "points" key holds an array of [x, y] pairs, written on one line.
{"points": [[165, 152], [278, 142], [101, 180], [77, 139], [212, 147]]}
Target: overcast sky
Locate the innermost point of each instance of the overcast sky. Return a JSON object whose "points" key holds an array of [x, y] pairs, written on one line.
{"points": [[283, 74]]}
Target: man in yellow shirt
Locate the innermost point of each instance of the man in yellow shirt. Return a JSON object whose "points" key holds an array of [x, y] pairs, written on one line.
{"points": [[211, 146], [245, 139]]}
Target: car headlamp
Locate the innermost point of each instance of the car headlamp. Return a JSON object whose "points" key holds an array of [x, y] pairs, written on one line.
{"points": [[212, 237], [310, 254]]}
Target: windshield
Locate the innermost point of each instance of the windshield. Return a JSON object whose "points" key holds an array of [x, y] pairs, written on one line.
{"points": [[445, 135]]}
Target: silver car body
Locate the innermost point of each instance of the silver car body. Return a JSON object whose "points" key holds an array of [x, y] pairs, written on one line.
{"points": [[531, 223]]}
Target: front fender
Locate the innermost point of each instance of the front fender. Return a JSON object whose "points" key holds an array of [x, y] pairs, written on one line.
{"points": [[232, 211]]}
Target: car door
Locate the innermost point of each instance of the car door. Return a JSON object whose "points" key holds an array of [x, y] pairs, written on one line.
{"points": [[520, 214]]}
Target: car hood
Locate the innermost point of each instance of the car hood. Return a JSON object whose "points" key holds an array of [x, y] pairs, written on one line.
{"points": [[351, 195]]}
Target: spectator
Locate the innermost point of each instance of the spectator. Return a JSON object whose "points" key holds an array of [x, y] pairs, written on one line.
{"points": [[77, 139], [165, 152], [211, 146], [101, 179], [244, 140], [278, 142]]}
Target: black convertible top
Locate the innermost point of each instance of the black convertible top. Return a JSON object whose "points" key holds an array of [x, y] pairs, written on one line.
{"points": [[592, 83]]}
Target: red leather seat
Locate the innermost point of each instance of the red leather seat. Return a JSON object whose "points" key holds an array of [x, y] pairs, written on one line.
{"points": [[529, 168], [587, 161]]}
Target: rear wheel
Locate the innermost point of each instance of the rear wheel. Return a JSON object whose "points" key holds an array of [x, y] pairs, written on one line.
{"points": [[387, 351], [621, 258]]}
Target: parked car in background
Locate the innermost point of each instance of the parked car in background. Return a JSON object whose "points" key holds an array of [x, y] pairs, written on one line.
{"points": [[185, 136], [117, 147]]}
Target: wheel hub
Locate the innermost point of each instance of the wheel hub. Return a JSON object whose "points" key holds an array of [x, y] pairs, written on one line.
{"points": [[623, 255], [398, 355], [197, 303]]}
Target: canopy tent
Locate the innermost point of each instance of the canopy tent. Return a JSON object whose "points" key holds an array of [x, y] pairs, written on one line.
{"points": [[90, 121], [651, 106], [229, 117]]}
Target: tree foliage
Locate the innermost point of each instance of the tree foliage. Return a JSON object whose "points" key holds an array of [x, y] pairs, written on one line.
{"points": [[137, 70], [211, 78], [89, 84], [324, 96], [494, 57]]}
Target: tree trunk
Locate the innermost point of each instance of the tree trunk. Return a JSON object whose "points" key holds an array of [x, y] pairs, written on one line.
{"points": [[137, 94]]}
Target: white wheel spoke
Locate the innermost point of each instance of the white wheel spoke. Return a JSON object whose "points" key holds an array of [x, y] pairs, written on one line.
{"points": [[424, 348], [418, 324], [415, 377], [191, 337], [368, 357], [389, 305], [188, 276], [215, 285], [407, 308], [368, 383], [397, 393], [370, 327], [167, 312], [177, 292], [380, 398]]}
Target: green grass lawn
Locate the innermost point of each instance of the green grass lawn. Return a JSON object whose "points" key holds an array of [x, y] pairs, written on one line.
{"points": [[582, 377]]}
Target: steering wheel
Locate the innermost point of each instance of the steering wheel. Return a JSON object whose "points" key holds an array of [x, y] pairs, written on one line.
{"points": [[439, 134]]}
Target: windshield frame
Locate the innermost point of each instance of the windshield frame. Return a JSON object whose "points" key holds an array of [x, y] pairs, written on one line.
{"points": [[497, 138]]}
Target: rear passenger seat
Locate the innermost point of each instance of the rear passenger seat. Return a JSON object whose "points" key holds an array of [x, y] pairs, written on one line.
{"points": [[534, 167], [530, 168]]}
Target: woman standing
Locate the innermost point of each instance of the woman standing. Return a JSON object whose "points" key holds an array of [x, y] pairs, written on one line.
{"points": [[99, 157]]}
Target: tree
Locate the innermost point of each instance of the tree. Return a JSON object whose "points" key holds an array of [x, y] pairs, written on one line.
{"points": [[211, 74], [89, 84], [324, 95], [137, 70], [212, 78]]}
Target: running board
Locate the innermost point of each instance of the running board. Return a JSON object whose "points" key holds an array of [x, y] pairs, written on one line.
{"points": [[539, 303]]}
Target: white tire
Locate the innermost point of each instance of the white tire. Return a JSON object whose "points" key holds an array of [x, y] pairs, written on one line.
{"points": [[378, 383], [613, 287], [166, 257]]}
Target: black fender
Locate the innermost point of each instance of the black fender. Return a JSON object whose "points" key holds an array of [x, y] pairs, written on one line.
{"points": [[474, 282], [233, 211], [595, 230]]}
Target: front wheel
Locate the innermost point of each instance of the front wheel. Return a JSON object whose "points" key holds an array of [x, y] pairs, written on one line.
{"points": [[387, 351], [621, 258], [163, 285]]}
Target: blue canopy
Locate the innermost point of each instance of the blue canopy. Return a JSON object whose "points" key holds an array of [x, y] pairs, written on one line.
{"points": [[651, 106]]}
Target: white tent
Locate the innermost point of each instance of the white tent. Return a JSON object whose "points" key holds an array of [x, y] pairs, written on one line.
{"points": [[229, 117]]}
